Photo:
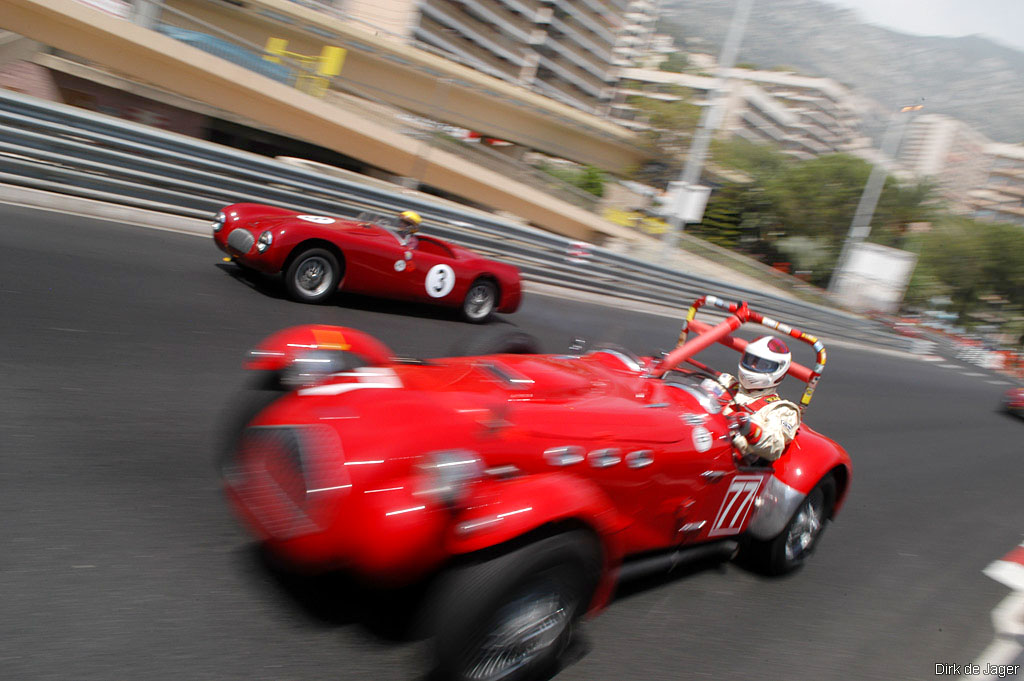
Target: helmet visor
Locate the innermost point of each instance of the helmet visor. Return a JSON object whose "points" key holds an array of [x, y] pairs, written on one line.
{"points": [[758, 364]]}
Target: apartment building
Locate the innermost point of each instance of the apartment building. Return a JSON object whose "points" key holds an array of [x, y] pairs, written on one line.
{"points": [[805, 117], [948, 152], [637, 38], [1001, 197], [564, 49]]}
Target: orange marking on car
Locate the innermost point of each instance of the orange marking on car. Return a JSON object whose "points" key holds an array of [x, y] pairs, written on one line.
{"points": [[330, 339]]}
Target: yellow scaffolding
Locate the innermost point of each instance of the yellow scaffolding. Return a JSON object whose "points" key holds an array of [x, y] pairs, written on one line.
{"points": [[316, 78]]}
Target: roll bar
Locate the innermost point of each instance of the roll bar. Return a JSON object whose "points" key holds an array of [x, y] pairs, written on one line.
{"points": [[740, 315]]}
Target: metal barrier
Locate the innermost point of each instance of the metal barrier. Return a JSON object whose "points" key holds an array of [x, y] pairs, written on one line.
{"points": [[77, 152]]}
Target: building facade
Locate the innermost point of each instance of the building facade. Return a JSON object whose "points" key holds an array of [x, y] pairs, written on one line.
{"points": [[949, 153], [637, 38], [1001, 197], [563, 49], [805, 117]]}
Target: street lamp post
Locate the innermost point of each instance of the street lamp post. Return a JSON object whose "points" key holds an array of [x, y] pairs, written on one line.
{"points": [[709, 122], [860, 227]]}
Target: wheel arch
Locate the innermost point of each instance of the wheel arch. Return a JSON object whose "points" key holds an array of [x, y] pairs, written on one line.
{"points": [[316, 242], [841, 474], [487, 276]]}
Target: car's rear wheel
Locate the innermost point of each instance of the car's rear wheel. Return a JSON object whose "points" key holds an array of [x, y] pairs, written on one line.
{"points": [[512, 617], [480, 302], [788, 551], [312, 276], [500, 339]]}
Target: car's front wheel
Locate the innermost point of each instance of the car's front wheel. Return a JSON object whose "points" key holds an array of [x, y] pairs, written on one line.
{"points": [[480, 302], [512, 617], [312, 276], [788, 551]]}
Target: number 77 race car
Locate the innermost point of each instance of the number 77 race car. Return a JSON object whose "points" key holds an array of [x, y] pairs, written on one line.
{"points": [[524, 485]]}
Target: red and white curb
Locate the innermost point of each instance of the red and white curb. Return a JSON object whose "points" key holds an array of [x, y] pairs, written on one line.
{"points": [[1004, 658]]}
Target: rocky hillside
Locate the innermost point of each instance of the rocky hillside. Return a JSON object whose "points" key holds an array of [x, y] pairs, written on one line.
{"points": [[971, 78]]}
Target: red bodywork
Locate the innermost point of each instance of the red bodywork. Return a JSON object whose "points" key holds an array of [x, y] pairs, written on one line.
{"points": [[354, 470], [375, 261], [1013, 401]]}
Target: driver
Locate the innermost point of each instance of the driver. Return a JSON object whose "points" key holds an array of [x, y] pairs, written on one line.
{"points": [[409, 224], [766, 422]]}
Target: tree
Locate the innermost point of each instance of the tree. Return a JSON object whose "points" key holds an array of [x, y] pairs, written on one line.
{"points": [[677, 62]]}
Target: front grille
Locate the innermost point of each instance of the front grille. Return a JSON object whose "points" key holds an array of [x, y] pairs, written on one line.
{"points": [[241, 240], [271, 478]]}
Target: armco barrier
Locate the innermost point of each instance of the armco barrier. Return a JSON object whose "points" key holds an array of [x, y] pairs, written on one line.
{"points": [[62, 148]]}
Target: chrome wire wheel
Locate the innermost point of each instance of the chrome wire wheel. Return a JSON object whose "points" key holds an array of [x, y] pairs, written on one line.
{"points": [[806, 525], [313, 276], [480, 301], [525, 629]]}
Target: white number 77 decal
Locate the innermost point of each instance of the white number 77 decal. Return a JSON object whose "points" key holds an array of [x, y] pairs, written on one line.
{"points": [[739, 499]]}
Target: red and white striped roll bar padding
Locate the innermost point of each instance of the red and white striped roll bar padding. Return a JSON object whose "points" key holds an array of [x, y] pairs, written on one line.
{"points": [[741, 314]]}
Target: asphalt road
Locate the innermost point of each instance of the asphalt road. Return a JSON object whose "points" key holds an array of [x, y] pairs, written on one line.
{"points": [[121, 349]]}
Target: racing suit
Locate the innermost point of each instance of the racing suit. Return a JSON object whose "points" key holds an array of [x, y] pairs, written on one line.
{"points": [[773, 421]]}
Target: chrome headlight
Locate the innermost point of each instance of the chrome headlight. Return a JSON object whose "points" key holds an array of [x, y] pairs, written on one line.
{"points": [[218, 221], [449, 475], [264, 241]]}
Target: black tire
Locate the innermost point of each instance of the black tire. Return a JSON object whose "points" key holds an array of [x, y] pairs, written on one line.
{"points": [[480, 302], [262, 389], [797, 541], [312, 276], [512, 617], [499, 340]]}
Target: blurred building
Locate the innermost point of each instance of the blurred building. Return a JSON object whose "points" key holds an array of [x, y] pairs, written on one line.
{"points": [[949, 153], [637, 38], [805, 117], [564, 49], [1001, 197]]}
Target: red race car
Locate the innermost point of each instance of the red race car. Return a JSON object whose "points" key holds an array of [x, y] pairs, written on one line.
{"points": [[373, 254], [1013, 402], [527, 484]]}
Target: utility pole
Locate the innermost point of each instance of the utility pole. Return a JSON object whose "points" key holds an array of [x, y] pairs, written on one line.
{"points": [[710, 119], [860, 227]]}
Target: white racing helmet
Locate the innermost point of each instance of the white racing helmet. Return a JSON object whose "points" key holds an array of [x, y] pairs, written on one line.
{"points": [[764, 363]]}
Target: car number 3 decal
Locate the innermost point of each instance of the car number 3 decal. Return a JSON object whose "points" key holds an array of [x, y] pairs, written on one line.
{"points": [[318, 219], [440, 281], [739, 499]]}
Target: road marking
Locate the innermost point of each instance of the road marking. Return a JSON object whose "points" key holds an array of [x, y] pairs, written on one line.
{"points": [[971, 373], [1007, 617], [950, 366], [999, 382]]}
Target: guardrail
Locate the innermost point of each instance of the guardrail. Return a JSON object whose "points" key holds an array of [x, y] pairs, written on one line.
{"points": [[72, 151]]}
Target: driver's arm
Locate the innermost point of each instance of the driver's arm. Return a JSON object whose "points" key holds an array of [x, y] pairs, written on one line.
{"points": [[775, 427]]}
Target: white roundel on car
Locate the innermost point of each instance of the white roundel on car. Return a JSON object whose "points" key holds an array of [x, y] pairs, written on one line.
{"points": [[318, 219], [399, 265], [440, 281], [701, 439]]}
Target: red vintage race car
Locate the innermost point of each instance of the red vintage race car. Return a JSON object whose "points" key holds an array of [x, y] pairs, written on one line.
{"points": [[1013, 402], [319, 254], [527, 484]]}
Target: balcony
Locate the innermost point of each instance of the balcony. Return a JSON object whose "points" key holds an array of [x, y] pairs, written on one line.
{"points": [[594, 23], [449, 14], [582, 58], [762, 127], [607, 6], [571, 32], [533, 10], [465, 50], [568, 71], [520, 27]]}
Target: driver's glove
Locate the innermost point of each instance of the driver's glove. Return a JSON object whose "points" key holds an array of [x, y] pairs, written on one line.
{"points": [[745, 426]]}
